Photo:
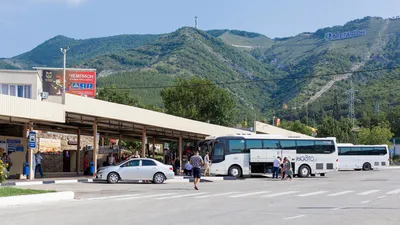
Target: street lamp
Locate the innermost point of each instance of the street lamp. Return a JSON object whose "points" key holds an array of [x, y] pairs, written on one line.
{"points": [[64, 52]]}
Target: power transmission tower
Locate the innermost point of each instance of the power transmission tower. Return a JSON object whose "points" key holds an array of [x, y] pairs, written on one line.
{"points": [[336, 109], [376, 108], [195, 22], [351, 102]]}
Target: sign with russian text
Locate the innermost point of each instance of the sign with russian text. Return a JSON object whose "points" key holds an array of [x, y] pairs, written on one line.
{"points": [[78, 82], [344, 35]]}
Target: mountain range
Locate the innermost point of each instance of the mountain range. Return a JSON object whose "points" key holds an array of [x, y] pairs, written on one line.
{"points": [[305, 76]]}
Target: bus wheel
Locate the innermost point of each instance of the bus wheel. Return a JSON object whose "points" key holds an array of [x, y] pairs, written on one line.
{"points": [[235, 171], [366, 166], [304, 171]]}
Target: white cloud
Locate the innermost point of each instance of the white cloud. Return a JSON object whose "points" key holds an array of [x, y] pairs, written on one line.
{"points": [[68, 2]]}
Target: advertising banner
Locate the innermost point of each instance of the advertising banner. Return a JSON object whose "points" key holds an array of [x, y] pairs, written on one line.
{"points": [[14, 145], [49, 145], [78, 82]]}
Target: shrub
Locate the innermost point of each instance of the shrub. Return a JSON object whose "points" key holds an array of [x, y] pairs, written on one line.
{"points": [[3, 172]]}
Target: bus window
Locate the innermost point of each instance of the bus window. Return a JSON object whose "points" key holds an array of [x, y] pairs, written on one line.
{"points": [[253, 144], [236, 146], [218, 153], [367, 151], [324, 147], [288, 145], [380, 151], [271, 144], [355, 151], [305, 147], [344, 151]]}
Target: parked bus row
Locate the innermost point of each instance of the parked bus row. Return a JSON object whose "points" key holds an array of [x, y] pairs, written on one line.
{"points": [[245, 155]]}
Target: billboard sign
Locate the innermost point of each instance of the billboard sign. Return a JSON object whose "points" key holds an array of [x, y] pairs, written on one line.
{"points": [[51, 146], [344, 35], [78, 82]]}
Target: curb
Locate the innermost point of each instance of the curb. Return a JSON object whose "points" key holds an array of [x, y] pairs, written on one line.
{"points": [[39, 198], [30, 183]]}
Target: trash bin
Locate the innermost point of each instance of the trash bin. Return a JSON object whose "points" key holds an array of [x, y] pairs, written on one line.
{"points": [[25, 170], [91, 168]]}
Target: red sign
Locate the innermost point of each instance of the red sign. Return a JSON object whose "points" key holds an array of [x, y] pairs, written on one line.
{"points": [[78, 82]]}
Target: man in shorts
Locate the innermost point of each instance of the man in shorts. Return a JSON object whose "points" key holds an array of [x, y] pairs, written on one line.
{"points": [[197, 162]]}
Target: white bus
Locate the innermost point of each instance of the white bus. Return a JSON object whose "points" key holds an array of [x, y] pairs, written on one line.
{"points": [[365, 157], [242, 155]]}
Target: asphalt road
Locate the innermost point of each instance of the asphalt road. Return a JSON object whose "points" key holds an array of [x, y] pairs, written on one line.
{"points": [[340, 198]]}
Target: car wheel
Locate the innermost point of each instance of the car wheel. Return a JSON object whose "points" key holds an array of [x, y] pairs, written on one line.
{"points": [[366, 167], [235, 171], [158, 178], [113, 178], [304, 171]]}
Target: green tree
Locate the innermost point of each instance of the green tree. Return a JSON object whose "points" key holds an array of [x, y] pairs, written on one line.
{"points": [[199, 99], [341, 129], [296, 126], [394, 119], [120, 96], [377, 135]]}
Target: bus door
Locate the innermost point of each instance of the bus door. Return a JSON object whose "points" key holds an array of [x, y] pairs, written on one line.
{"points": [[217, 157], [288, 148]]}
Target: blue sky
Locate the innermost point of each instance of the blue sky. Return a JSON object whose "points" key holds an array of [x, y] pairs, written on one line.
{"points": [[24, 24]]}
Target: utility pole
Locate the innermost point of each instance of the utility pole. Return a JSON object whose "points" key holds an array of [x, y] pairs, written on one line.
{"points": [[64, 52], [195, 22], [351, 102]]}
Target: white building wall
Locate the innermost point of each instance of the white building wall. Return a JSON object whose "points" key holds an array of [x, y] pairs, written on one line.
{"points": [[23, 77]]}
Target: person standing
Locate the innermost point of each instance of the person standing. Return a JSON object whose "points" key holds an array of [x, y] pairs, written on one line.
{"points": [[7, 161], [136, 155], [111, 159], [207, 165], [197, 162], [275, 170], [38, 160], [85, 164]]}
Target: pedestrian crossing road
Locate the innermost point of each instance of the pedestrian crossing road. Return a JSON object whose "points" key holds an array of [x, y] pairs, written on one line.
{"points": [[258, 194]]}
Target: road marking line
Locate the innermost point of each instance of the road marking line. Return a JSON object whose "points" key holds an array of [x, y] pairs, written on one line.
{"points": [[334, 209], [220, 194], [294, 217], [249, 194], [365, 202], [340, 193], [367, 192], [312, 193], [381, 196], [145, 196], [397, 191], [280, 194], [182, 196], [109, 197]]}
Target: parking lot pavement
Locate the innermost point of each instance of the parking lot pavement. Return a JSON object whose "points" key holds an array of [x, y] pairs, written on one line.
{"points": [[343, 197]]}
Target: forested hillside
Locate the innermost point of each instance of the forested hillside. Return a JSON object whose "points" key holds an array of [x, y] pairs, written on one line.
{"points": [[304, 77]]}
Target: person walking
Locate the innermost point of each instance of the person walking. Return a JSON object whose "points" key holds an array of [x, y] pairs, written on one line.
{"points": [[197, 162], [38, 160], [289, 170], [275, 170], [207, 165], [284, 168]]}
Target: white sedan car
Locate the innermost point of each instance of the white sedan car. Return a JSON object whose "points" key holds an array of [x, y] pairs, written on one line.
{"points": [[136, 169]]}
